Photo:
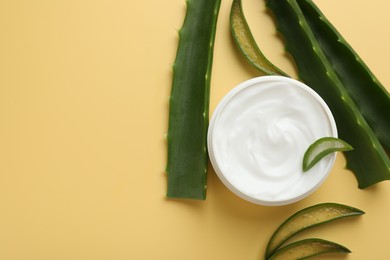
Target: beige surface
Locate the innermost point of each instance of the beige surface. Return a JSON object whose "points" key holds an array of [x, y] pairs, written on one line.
{"points": [[84, 87]]}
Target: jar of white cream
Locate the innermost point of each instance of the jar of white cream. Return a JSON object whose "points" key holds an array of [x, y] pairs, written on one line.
{"points": [[258, 135]]}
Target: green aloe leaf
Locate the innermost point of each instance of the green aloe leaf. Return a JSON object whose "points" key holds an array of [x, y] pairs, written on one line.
{"points": [[367, 92], [247, 44], [307, 248], [368, 161], [321, 148], [307, 218], [189, 101]]}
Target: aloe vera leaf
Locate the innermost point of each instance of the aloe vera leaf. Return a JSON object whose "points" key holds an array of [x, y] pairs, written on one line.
{"points": [[306, 218], [368, 161], [365, 89], [306, 248], [321, 148], [246, 43], [189, 101]]}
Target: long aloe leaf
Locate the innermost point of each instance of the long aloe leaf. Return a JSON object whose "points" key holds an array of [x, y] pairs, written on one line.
{"points": [[189, 101], [247, 44], [365, 89], [368, 161]]}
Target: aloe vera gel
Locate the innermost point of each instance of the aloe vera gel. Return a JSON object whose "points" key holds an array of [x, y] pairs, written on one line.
{"points": [[258, 135]]}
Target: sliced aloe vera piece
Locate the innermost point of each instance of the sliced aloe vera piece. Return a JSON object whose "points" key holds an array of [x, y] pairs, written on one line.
{"points": [[189, 101], [368, 161], [306, 248], [246, 43], [306, 218], [321, 148], [365, 89]]}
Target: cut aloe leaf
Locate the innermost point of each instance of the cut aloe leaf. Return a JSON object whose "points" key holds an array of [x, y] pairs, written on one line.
{"points": [[306, 248], [321, 148], [306, 218], [368, 161], [189, 101], [368, 93], [246, 43]]}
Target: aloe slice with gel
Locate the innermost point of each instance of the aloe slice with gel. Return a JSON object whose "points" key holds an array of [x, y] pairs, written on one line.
{"points": [[321, 148]]}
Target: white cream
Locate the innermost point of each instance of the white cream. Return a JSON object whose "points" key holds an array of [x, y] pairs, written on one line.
{"points": [[258, 135]]}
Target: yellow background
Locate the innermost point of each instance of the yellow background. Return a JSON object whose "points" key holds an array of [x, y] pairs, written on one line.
{"points": [[84, 87]]}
